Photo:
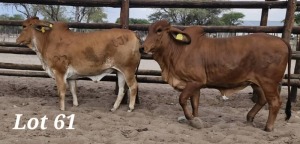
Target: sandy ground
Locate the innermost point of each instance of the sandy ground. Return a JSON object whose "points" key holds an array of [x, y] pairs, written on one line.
{"points": [[153, 121]]}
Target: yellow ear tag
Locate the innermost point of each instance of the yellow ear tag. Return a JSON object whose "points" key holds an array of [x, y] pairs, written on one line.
{"points": [[43, 29], [179, 36], [50, 25]]}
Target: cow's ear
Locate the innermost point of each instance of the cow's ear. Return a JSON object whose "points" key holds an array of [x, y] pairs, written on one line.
{"points": [[180, 36], [43, 27]]}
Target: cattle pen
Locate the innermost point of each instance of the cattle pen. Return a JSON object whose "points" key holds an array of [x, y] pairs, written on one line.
{"points": [[27, 89], [153, 76]]}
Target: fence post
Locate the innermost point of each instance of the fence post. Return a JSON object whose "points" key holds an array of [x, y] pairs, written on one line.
{"points": [[296, 71], [124, 16], [263, 22], [286, 35], [264, 16]]}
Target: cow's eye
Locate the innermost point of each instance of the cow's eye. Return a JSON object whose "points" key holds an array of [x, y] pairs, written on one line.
{"points": [[24, 26], [159, 30]]}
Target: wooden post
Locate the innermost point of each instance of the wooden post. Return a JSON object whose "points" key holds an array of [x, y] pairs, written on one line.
{"points": [[286, 35], [289, 20], [264, 16], [124, 16], [296, 71], [263, 22]]}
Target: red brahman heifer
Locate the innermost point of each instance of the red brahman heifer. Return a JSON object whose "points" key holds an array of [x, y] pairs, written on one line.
{"points": [[67, 55], [190, 61]]}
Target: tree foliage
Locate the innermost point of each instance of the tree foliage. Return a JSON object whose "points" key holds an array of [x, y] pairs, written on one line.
{"points": [[232, 18], [10, 29], [53, 12], [14, 17], [182, 16], [90, 14], [28, 10], [61, 13], [135, 21]]}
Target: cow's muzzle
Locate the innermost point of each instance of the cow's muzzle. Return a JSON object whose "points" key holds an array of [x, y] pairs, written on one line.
{"points": [[142, 50]]}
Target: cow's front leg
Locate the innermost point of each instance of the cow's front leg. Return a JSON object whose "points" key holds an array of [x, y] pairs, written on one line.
{"points": [[195, 102], [191, 90], [73, 86], [61, 87]]}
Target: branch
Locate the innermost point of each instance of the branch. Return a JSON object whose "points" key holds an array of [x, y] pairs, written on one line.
{"points": [[26, 14]]}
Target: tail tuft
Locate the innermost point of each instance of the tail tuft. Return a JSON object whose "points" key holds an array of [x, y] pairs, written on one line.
{"points": [[288, 111]]}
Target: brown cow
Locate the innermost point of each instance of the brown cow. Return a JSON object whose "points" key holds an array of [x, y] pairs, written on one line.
{"points": [[67, 55], [190, 61]]}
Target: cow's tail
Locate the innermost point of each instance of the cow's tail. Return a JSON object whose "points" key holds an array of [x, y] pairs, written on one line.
{"points": [[138, 45], [288, 107]]}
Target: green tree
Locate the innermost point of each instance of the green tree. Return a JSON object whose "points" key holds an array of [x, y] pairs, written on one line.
{"points": [[135, 21], [53, 12], [232, 18], [28, 10], [4, 17], [16, 17], [49, 12], [10, 29], [183, 16], [90, 14]]}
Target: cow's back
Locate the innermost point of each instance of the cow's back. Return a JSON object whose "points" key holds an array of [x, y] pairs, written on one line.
{"points": [[95, 51]]}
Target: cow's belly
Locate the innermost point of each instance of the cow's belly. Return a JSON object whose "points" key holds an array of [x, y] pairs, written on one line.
{"points": [[229, 85], [94, 75], [229, 88], [176, 83]]}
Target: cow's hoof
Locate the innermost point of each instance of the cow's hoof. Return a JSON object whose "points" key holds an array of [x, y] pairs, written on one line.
{"points": [[182, 119], [113, 109], [62, 109], [196, 122], [224, 98], [75, 104], [268, 129], [130, 110], [250, 119]]}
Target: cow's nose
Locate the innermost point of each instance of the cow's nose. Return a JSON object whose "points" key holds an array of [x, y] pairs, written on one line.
{"points": [[142, 50]]}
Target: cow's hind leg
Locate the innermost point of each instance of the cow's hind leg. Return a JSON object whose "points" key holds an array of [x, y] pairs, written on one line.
{"points": [[272, 96], [121, 86], [133, 87], [73, 86], [61, 87], [259, 103]]}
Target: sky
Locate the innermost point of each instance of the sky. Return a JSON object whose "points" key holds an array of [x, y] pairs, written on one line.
{"points": [[114, 13], [250, 14]]}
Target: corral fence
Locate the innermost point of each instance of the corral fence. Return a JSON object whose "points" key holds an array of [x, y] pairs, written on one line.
{"points": [[153, 76]]}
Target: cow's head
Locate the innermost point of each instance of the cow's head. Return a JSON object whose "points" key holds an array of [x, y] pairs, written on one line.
{"points": [[31, 28], [161, 33]]}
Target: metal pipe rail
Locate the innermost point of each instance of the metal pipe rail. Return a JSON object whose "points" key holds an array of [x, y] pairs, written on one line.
{"points": [[144, 27], [140, 79], [160, 3]]}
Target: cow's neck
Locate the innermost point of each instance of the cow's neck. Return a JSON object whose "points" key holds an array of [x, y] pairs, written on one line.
{"points": [[38, 45], [167, 59]]}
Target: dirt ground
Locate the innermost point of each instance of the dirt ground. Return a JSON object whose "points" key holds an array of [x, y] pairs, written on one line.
{"points": [[153, 121]]}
